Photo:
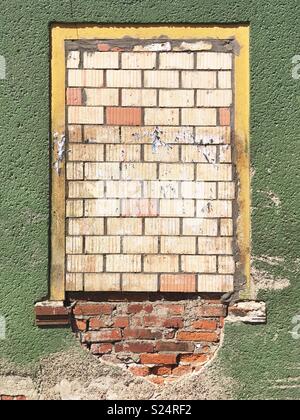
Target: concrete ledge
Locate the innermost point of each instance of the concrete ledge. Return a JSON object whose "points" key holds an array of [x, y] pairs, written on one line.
{"points": [[51, 313]]}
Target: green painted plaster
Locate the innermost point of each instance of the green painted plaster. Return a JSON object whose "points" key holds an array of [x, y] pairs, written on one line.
{"points": [[254, 356]]}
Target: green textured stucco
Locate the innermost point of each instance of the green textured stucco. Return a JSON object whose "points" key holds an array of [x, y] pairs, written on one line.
{"points": [[255, 356]]}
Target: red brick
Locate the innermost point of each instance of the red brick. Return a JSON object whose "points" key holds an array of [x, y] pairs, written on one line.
{"points": [[225, 116], [172, 309], [103, 335], [101, 348], [169, 334], [198, 336], [137, 307], [141, 333], [21, 398], [118, 49], [159, 359], [123, 116], [168, 346], [157, 380], [152, 321], [194, 358], [74, 96], [173, 323], [139, 370], [81, 325], [6, 398], [134, 347], [96, 324], [93, 309], [161, 370], [182, 370], [103, 47], [210, 311], [205, 325], [121, 322]]}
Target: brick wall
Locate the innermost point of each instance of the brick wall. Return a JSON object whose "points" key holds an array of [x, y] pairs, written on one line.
{"points": [[12, 398]]}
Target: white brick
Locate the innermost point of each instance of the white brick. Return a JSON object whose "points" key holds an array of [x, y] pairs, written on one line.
{"points": [[176, 98], [194, 46], [85, 78], [99, 134], [177, 208], [124, 226], [139, 283], [124, 189], [225, 79], [74, 208], [166, 116], [161, 263], [96, 208], [161, 226], [102, 244], [85, 115], [209, 172], [169, 61], [102, 171], [178, 245], [140, 245], [155, 46], [198, 117], [139, 171], [74, 244], [86, 226], [139, 97], [199, 264], [165, 153], [226, 190], [161, 189], [124, 78], [199, 79], [138, 60], [161, 79], [102, 282], [103, 97], [123, 153], [196, 153], [86, 189], [214, 61], [215, 284], [123, 263], [226, 227], [101, 60], [176, 172], [200, 227], [213, 135], [199, 190], [85, 263], [225, 154], [74, 171], [215, 246], [214, 208], [73, 60], [226, 265], [74, 282], [214, 98], [86, 152]]}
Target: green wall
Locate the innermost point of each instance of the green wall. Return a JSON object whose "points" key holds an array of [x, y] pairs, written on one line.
{"points": [[255, 356]]}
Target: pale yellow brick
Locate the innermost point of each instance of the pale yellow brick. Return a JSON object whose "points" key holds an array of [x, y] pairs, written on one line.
{"points": [[178, 245], [75, 133], [176, 98], [85, 78], [209, 172], [199, 264], [168, 135], [140, 208], [161, 154], [74, 282], [139, 283], [214, 61], [138, 60], [213, 135], [100, 60], [214, 208], [123, 153], [85, 115], [86, 189], [102, 282], [139, 97], [215, 246], [200, 227], [161, 79], [161, 189], [124, 226], [168, 61], [103, 245], [123, 263], [165, 116], [102, 208], [199, 190], [225, 79], [161, 263], [74, 208], [226, 190], [124, 78], [73, 60], [176, 172], [86, 152], [85, 263], [199, 79], [226, 227], [103, 97], [102, 171], [177, 208], [196, 153], [225, 154], [74, 171], [140, 245], [98, 134], [160, 226], [214, 98], [196, 116], [215, 284], [226, 265], [123, 189], [139, 171], [74, 244], [86, 226]]}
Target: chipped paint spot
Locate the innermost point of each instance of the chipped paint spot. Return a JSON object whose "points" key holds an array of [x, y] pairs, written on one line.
{"points": [[61, 150]]}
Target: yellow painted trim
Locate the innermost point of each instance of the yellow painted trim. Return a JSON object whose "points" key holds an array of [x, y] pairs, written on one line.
{"points": [[61, 33]]}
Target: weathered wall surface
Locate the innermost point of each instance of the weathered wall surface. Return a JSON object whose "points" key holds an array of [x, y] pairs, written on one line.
{"points": [[255, 362]]}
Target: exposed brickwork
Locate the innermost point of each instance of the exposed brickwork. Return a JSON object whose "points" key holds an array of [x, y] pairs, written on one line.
{"points": [[159, 340], [12, 398]]}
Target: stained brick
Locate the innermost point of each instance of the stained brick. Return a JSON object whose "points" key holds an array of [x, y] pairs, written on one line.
{"points": [[176, 98], [165, 116], [123, 263], [102, 171], [161, 79], [199, 264], [215, 246], [200, 227], [162, 226], [168, 61], [212, 60], [123, 153], [140, 245], [178, 245], [199, 79], [139, 97], [86, 152], [161, 263], [124, 78], [215, 283], [101, 60], [75, 133], [216, 208], [86, 226], [102, 208], [100, 134], [177, 208], [124, 226], [102, 244]]}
